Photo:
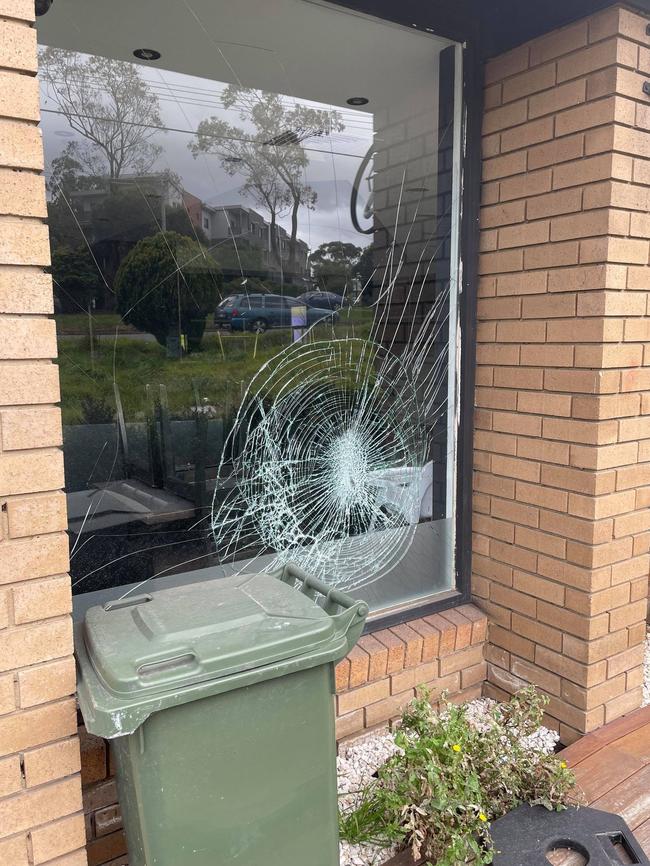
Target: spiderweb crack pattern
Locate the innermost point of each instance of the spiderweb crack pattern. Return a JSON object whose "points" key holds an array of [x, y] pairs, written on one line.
{"points": [[325, 431]]}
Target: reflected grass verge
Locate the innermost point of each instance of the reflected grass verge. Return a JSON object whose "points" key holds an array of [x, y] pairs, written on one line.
{"points": [[218, 375], [78, 323]]}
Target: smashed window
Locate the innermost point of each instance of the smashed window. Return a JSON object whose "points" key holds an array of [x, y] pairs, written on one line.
{"points": [[255, 262]]}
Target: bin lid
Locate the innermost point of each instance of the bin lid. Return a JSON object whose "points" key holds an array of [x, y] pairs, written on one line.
{"points": [[202, 631], [140, 655]]}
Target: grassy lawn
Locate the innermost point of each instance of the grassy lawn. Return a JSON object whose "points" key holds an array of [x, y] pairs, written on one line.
{"points": [[77, 323], [219, 373]]}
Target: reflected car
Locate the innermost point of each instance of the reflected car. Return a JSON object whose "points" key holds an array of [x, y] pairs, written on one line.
{"points": [[323, 300], [258, 313]]}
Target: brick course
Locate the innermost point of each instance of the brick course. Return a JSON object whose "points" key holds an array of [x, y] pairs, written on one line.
{"points": [[563, 441], [41, 815]]}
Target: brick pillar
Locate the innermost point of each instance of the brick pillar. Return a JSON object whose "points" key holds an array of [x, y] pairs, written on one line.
{"points": [[41, 821], [562, 445]]}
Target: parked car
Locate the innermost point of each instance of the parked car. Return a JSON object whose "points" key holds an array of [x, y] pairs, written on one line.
{"points": [[323, 300], [259, 312]]}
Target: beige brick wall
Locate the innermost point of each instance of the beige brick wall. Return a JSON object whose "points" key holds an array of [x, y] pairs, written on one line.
{"points": [[562, 442], [41, 817]]}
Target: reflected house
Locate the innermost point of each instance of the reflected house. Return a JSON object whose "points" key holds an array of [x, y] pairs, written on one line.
{"points": [[233, 225], [118, 212], [158, 193]]}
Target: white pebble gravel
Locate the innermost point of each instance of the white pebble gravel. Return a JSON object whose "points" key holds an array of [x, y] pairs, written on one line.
{"points": [[646, 672], [357, 764]]}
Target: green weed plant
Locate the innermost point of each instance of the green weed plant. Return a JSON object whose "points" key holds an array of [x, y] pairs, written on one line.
{"points": [[452, 778]]}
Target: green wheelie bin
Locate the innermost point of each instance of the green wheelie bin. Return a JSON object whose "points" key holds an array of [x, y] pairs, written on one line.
{"points": [[217, 697]]}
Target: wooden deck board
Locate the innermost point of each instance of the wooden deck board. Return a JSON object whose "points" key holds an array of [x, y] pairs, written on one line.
{"points": [[642, 834], [637, 743], [603, 770], [612, 767], [630, 799]]}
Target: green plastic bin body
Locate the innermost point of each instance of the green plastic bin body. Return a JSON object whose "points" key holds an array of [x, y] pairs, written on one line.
{"points": [[246, 777], [218, 700]]}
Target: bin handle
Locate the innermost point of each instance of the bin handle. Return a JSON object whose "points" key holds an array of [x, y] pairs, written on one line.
{"points": [[348, 613], [130, 601], [169, 667]]}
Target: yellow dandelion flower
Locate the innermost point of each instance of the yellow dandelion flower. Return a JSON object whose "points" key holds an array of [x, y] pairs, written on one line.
{"points": [[456, 747], [563, 765], [482, 817]]}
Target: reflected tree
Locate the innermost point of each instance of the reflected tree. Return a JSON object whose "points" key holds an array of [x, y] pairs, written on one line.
{"points": [[262, 183], [73, 170], [366, 266], [110, 105], [268, 152], [166, 286], [75, 274], [239, 155], [67, 176], [116, 116], [334, 264], [76, 279]]}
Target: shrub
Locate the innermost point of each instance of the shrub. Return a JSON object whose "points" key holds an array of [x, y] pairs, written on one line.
{"points": [[453, 777], [166, 277], [77, 279]]}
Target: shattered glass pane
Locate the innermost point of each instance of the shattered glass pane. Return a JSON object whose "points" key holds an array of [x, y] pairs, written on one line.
{"points": [[255, 259]]}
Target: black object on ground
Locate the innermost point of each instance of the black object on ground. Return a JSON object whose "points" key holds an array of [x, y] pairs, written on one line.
{"points": [[528, 834]]}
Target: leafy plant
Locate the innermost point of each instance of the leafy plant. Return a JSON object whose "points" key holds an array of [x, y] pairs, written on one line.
{"points": [[454, 776]]}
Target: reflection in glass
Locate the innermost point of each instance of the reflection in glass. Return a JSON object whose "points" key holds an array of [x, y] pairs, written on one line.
{"points": [[255, 297]]}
